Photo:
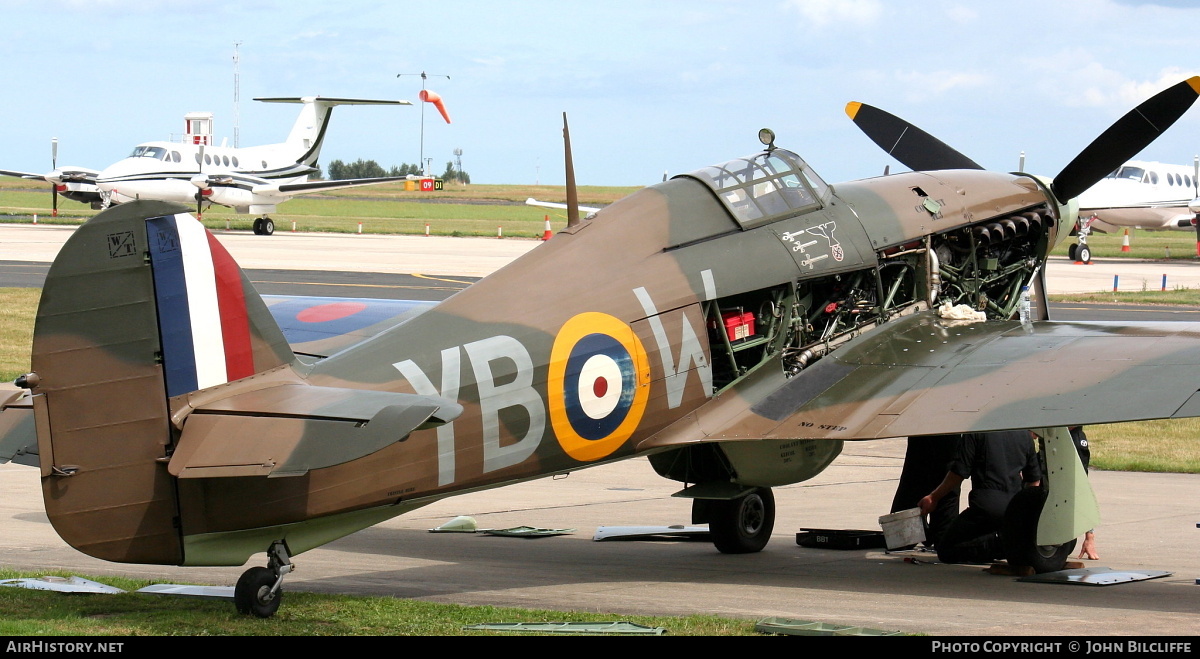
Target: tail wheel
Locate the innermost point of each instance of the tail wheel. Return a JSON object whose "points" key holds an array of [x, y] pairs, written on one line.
{"points": [[743, 525], [1020, 534]]}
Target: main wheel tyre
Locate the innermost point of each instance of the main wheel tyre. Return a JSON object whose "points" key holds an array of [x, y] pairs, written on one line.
{"points": [[258, 227], [743, 525], [1071, 251], [252, 595], [268, 226], [1020, 534], [1083, 254]]}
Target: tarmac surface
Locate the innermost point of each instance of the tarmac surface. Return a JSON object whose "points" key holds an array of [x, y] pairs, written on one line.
{"points": [[1149, 520], [477, 257]]}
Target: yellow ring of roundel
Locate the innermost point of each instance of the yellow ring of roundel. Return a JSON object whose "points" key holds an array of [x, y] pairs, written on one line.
{"points": [[578, 327]]}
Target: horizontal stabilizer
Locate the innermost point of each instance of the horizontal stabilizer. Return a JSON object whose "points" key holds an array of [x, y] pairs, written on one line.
{"points": [[18, 437], [291, 429], [330, 101]]}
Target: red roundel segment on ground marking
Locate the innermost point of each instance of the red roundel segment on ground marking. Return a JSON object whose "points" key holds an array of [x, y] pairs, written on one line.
{"points": [[333, 311]]}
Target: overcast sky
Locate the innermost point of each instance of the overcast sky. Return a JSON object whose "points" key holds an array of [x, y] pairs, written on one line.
{"points": [[649, 87]]}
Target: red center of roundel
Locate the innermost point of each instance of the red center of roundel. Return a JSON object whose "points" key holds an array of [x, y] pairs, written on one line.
{"points": [[600, 387], [332, 311]]}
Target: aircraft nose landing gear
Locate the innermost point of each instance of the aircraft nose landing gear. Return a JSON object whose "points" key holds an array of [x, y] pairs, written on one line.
{"points": [[260, 589]]}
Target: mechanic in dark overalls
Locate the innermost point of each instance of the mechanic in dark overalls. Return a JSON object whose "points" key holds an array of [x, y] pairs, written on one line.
{"points": [[999, 464]]}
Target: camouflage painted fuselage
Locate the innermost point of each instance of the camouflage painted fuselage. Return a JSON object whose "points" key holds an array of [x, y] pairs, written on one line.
{"points": [[662, 326]]}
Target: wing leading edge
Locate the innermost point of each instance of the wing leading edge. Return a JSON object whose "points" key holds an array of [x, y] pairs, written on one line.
{"points": [[922, 375]]}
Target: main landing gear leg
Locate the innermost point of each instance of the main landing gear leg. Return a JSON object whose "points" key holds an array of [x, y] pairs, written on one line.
{"points": [[260, 589]]}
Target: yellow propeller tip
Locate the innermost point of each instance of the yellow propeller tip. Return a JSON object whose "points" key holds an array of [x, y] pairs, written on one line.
{"points": [[1194, 83], [853, 106]]}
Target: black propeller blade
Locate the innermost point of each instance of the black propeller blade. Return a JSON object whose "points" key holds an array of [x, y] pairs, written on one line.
{"points": [[1125, 138], [920, 151], [54, 184], [916, 149]]}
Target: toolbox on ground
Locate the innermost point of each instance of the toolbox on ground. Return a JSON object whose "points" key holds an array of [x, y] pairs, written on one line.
{"points": [[839, 539]]}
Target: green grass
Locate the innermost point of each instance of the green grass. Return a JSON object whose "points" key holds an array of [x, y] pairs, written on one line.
{"points": [[1162, 245], [16, 330], [474, 210], [25, 612], [1189, 297]]}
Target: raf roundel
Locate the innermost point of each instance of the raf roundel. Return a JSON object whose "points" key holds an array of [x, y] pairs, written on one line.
{"points": [[598, 385]]}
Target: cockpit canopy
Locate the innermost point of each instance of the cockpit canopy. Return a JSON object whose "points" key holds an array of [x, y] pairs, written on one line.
{"points": [[765, 187], [156, 152]]}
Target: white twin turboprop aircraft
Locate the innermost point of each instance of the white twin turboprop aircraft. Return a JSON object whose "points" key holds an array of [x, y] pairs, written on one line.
{"points": [[249, 179], [1145, 195]]}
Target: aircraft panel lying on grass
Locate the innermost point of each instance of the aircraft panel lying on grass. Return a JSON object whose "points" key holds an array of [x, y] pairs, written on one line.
{"points": [[737, 324]]}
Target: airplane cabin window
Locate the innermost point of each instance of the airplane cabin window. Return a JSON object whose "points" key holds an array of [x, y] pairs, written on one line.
{"points": [[207, 159], [765, 187], [235, 162], [175, 156], [1154, 178]]}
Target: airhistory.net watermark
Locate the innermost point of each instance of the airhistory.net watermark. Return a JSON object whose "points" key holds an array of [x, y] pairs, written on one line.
{"points": [[62, 646]]}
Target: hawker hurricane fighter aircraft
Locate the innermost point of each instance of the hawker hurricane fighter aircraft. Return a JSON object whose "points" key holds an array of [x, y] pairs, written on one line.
{"points": [[251, 180], [737, 324]]}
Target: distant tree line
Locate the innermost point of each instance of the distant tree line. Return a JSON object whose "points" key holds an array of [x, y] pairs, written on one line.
{"points": [[360, 168]]}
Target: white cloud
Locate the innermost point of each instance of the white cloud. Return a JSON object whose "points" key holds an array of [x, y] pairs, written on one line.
{"points": [[825, 12]]}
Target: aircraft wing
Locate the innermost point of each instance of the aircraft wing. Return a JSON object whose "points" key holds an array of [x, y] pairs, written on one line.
{"points": [[550, 204], [321, 326], [310, 186], [27, 175], [921, 375], [63, 174]]}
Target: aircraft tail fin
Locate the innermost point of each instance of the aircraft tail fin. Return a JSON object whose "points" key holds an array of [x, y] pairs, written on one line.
{"points": [[141, 307], [308, 133]]}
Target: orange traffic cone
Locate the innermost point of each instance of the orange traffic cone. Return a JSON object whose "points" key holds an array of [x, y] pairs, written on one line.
{"points": [[1125, 242], [546, 235]]}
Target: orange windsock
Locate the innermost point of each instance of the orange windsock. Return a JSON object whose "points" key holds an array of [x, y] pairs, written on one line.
{"points": [[433, 97]]}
